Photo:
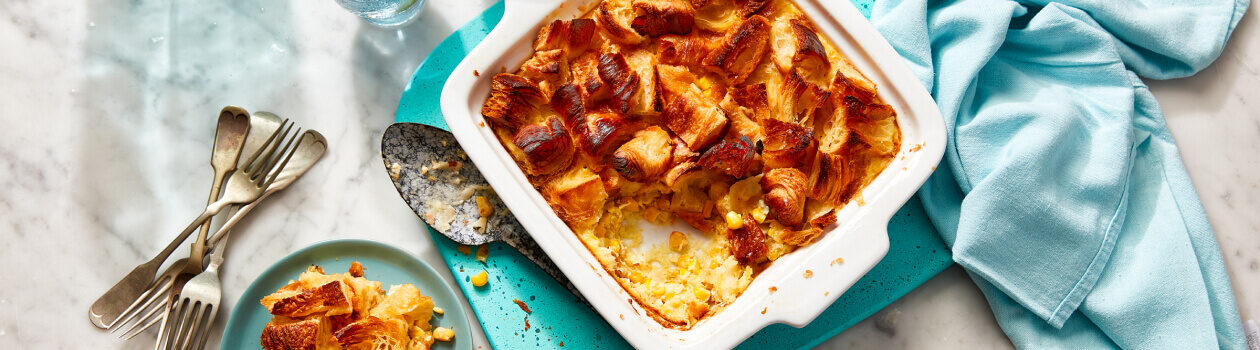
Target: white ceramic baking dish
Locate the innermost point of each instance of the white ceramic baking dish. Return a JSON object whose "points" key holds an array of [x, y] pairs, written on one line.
{"points": [[860, 238]]}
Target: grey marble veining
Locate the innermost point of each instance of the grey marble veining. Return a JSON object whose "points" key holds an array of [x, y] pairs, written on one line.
{"points": [[106, 119]]}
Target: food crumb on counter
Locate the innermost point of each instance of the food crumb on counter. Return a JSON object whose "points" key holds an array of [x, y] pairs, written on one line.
{"points": [[522, 305], [527, 323], [837, 261], [463, 249], [476, 73], [773, 289], [483, 252], [808, 274], [480, 279], [438, 310], [763, 310]]}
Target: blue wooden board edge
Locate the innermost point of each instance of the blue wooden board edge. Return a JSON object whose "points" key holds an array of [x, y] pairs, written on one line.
{"points": [[916, 252]]}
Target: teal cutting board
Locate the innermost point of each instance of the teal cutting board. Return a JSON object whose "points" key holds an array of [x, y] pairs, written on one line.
{"points": [[558, 319]]}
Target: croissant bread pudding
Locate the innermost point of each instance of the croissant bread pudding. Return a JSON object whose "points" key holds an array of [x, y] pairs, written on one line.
{"points": [[347, 311], [734, 116]]}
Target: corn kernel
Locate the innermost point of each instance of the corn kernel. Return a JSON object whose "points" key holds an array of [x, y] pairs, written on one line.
{"points": [[700, 293], [704, 83], [658, 290], [480, 279], [438, 310], [637, 277], [678, 241], [759, 215], [734, 221], [443, 334], [483, 207]]}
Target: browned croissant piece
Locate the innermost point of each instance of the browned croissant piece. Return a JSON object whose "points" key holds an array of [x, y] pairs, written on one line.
{"points": [[548, 146], [787, 145], [660, 17], [602, 132], [785, 195], [614, 70], [747, 243], [738, 117], [735, 157], [741, 50], [512, 100], [646, 157]]}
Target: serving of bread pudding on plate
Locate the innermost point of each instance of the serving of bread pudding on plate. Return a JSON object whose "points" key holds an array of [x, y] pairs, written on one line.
{"points": [[735, 117], [346, 311]]}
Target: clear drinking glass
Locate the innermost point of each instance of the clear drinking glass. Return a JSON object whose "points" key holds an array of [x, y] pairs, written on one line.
{"points": [[384, 13]]}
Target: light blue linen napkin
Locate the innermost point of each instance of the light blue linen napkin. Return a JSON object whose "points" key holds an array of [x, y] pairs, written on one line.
{"points": [[1062, 192]]}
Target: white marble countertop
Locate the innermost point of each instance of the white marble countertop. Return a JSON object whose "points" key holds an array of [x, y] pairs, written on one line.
{"points": [[108, 109]]}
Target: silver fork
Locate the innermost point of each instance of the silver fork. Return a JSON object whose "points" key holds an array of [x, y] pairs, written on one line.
{"points": [[199, 303], [243, 185], [200, 296]]}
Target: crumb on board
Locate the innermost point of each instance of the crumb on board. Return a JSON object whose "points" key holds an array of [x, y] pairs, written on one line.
{"points": [[481, 124], [837, 261], [522, 305], [438, 310], [480, 279], [827, 293], [483, 252], [527, 323], [916, 148], [773, 289], [763, 310], [395, 171], [621, 316], [808, 274], [476, 73], [463, 249]]}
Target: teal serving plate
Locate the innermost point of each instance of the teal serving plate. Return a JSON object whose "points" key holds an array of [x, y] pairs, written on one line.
{"points": [[381, 262]]}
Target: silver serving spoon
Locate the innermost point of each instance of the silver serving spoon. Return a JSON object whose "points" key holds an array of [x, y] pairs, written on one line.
{"points": [[229, 137], [411, 152]]}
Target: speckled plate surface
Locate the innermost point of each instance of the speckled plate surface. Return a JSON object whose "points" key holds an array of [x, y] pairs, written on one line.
{"points": [[381, 262]]}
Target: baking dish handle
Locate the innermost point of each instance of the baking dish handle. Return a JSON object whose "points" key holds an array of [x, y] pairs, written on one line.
{"points": [[524, 15], [825, 276]]}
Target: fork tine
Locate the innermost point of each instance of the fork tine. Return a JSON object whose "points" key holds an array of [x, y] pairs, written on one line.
{"points": [[150, 317], [144, 302], [266, 144], [200, 326], [194, 325], [168, 323], [289, 149], [181, 324], [209, 323], [137, 304], [146, 326], [260, 166]]}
